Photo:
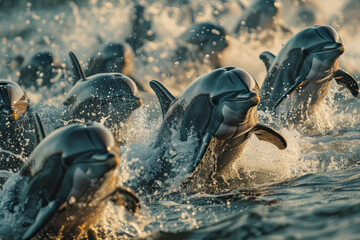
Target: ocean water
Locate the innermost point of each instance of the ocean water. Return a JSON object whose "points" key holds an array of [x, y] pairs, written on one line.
{"points": [[311, 190]]}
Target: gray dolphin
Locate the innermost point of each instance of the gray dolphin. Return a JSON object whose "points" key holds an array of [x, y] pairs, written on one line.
{"points": [[303, 70], [302, 12], [207, 38], [107, 95], [221, 108], [69, 175], [262, 15], [142, 30], [113, 57], [42, 66]]}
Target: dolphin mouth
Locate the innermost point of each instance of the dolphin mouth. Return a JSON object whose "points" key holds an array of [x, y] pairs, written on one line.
{"points": [[248, 97], [327, 47], [94, 174], [336, 46], [96, 158]]}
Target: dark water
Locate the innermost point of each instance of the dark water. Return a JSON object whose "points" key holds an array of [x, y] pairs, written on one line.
{"points": [[311, 190]]}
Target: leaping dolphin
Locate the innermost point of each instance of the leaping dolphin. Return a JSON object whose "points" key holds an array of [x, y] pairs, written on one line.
{"points": [[220, 107], [69, 175], [302, 71]]}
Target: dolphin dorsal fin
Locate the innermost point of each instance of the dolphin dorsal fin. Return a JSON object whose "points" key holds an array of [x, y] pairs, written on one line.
{"points": [[78, 72], [267, 58], [39, 129], [164, 96]]}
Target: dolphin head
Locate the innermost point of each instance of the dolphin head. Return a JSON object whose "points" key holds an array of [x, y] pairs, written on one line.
{"points": [[262, 14], [113, 96], [208, 37], [13, 102], [268, 9], [325, 46], [233, 97], [110, 96], [78, 154], [113, 57], [71, 173], [42, 66], [321, 42]]}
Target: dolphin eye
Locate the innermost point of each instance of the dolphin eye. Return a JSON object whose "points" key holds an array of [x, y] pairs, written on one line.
{"points": [[214, 101]]}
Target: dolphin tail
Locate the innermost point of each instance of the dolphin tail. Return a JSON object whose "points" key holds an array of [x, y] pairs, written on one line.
{"points": [[124, 197], [42, 218], [267, 58], [164, 96], [299, 80], [345, 79], [39, 129], [268, 134], [78, 72]]}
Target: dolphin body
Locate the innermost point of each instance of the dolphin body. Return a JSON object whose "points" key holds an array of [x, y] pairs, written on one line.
{"points": [[113, 57], [303, 71], [113, 96], [220, 107], [69, 175]]}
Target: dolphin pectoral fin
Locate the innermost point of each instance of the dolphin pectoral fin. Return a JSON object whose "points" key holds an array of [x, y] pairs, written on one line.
{"points": [[124, 197], [39, 129], [205, 142], [299, 80], [345, 79], [78, 72], [164, 96], [42, 218], [268, 134], [267, 58]]}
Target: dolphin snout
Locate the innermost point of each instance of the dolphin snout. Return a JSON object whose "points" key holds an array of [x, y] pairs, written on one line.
{"points": [[9, 113]]}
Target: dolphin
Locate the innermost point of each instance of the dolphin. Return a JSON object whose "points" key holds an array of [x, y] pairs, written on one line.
{"points": [[262, 15], [302, 12], [303, 71], [113, 96], [71, 174], [113, 57], [220, 107], [142, 30], [208, 38], [41, 70], [16, 125]]}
